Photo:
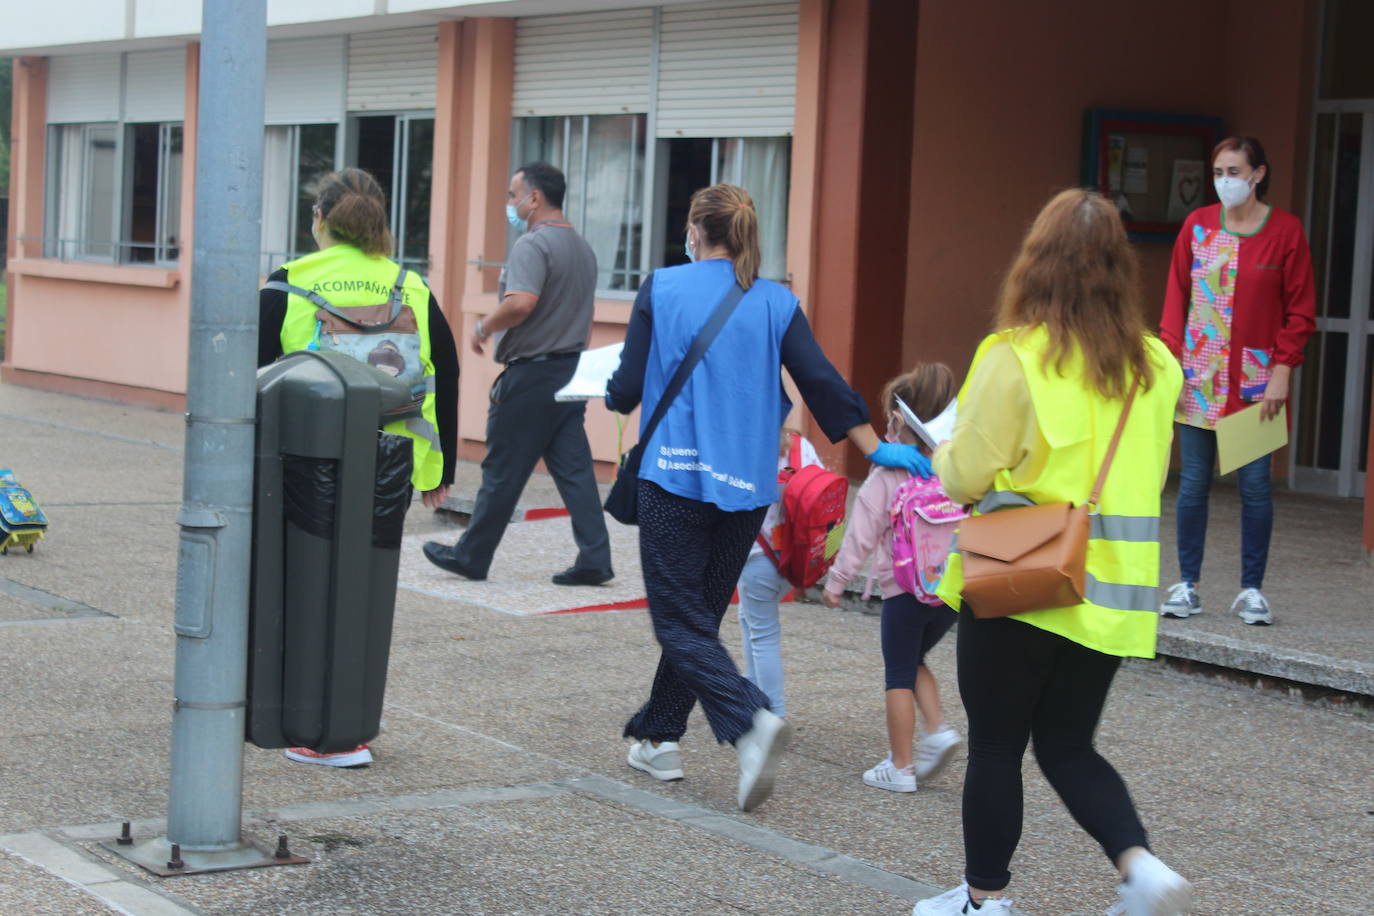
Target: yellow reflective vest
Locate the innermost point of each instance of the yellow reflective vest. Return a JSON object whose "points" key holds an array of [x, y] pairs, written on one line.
{"points": [[346, 277], [1119, 615]]}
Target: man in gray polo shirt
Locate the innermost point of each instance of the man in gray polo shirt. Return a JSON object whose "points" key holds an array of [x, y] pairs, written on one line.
{"points": [[540, 327]]}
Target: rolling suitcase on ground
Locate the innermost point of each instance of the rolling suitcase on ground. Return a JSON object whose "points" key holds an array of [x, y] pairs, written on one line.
{"points": [[22, 523]]}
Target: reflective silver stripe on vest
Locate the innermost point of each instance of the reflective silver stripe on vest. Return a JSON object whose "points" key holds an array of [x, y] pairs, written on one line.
{"points": [[1002, 499], [430, 387], [1135, 528], [1121, 597], [1138, 528], [423, 429]]}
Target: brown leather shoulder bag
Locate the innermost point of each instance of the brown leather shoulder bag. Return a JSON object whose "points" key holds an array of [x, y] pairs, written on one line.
{"points": [[1031, 558]]}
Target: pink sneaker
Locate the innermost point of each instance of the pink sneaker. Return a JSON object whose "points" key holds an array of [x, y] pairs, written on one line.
{"points": [[360, 756]]}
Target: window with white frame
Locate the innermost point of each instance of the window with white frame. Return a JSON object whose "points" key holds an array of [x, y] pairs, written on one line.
{"points": [[114, 168], [114, 192], [602, 158], [295, 158], [642, 107]]}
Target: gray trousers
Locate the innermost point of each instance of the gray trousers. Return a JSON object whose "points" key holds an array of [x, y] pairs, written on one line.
{"points": [[525, 424]]}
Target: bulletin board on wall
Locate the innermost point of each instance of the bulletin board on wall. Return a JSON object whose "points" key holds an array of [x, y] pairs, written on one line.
{"points": [[1154, 167]]}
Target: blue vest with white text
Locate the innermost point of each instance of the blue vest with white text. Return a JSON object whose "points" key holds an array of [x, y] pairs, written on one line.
{"points": [[718, 443]]}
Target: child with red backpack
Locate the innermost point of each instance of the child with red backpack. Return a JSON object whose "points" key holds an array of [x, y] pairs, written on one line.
{"points": [[911, 623], [762, 585]]}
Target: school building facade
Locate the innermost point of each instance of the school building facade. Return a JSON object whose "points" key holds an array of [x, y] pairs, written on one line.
{"points": [[896, 151]]}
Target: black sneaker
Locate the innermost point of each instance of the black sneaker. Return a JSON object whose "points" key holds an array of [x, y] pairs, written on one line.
{"points": [[446, 558], [574, 575]]}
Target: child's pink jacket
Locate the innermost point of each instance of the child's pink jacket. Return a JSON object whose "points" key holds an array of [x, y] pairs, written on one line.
{"points": [[869, 531]]}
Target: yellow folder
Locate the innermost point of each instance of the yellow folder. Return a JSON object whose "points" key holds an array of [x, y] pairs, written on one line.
{"points": [[1242, 437]]}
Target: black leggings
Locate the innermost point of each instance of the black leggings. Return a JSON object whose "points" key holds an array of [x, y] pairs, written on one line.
{"points": [[1019, 682]]}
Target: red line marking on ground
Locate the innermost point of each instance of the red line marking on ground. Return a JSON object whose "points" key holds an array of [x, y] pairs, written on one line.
{"points": [[635, 604], [630, 605], [534, 515]]}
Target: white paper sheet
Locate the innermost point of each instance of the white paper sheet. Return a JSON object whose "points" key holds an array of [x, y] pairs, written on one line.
{"points": [[594, 370], [937, 430]]}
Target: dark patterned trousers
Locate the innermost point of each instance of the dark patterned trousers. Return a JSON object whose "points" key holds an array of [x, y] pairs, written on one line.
{"points": [[692, 553]]}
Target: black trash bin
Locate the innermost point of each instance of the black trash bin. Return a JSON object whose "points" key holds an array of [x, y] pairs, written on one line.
{"points": [[330, 497]]}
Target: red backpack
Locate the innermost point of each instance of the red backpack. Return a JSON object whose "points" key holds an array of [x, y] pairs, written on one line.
{"points": [[813, 505]]}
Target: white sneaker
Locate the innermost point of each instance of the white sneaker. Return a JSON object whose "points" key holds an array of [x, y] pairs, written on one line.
{"points": [[887, 776], [935, 751], [360, 756], [1254, 609], [956, 902], [1153, 889], [1183, 601], [760, 749], [663, 763]]}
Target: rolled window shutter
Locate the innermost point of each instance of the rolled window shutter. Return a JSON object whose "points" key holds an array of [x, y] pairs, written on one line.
{"points": [[393, 71], [83, 88], [305, 81], [583, 64], [728, 70], [155, 85]]}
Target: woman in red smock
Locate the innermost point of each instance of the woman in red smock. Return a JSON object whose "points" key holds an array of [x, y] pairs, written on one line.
{"points": [[1238, 310]]}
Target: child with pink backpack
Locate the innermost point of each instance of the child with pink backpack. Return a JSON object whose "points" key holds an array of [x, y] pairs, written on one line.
{"points": [[897, 515]]}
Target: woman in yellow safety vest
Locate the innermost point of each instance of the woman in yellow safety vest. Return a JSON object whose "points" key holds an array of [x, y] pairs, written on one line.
{"points": [[351, 270], [1035, 417]]}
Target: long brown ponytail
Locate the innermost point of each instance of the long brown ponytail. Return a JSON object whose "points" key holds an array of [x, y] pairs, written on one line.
{"points": [[726, 215]]}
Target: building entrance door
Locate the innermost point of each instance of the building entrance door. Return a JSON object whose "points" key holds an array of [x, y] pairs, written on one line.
{"points": [[1332, 396]]}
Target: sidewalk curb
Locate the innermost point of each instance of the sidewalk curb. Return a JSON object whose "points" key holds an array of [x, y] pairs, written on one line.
{"points": [[1272, 661]]}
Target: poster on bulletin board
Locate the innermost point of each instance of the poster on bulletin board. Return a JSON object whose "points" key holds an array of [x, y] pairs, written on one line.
{"points": [[1186, 190], [1152, 166]]}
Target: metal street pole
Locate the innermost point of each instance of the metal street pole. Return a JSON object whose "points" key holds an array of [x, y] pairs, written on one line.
{"points": [[204, 811]]}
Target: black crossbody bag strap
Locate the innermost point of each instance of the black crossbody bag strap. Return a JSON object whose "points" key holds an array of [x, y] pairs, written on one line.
{"points": [[689, 362]]}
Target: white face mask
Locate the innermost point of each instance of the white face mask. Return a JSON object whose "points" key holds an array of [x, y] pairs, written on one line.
{"points": [[1232, 190]]}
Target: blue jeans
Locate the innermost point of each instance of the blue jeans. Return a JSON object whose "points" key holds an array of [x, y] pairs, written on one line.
{"points": [[1198, 448], [760, 588]]}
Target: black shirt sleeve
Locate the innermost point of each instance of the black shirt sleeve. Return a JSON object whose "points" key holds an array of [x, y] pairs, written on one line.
{"points": [[626, 388], [271, 316], [835, 405], [443, 353]]}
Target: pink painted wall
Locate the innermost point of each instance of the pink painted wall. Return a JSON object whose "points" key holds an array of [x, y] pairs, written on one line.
{"points": [[1000, 94], [119, 326]]}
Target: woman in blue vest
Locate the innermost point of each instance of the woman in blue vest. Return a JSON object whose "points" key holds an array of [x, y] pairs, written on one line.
{"points": [[351, 269], [710, 472]]}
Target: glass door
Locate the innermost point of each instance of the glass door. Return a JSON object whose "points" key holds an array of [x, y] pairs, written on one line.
{"points": [[398, 150], [1333, 388]]}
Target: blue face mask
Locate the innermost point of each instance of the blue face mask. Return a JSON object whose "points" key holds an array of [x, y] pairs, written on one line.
{"points": [[513, 215], [687, 248]]}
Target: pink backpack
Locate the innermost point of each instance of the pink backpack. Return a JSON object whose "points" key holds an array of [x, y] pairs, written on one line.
{"points": [[923, 520]]}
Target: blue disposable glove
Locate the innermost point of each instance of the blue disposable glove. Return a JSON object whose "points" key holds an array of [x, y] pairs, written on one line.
{"points": [[897, 455]]}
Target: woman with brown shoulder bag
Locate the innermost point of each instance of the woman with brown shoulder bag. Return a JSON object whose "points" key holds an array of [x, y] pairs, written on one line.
{"points": [[1062, 444]]}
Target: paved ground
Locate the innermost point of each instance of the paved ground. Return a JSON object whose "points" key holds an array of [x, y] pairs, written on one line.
{"points": [[500, 784]]}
